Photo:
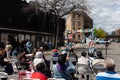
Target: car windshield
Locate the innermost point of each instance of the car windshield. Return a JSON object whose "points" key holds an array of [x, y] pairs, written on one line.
{"points": [[101, 39]]}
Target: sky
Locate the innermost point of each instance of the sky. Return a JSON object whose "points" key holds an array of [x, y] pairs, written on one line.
{"points": [[105, 14]]}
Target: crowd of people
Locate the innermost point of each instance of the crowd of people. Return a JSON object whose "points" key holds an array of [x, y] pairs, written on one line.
{"points": [[65, 68]]}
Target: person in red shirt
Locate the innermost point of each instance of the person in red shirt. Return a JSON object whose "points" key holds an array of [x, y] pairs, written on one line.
{"points": [[39, 73]]}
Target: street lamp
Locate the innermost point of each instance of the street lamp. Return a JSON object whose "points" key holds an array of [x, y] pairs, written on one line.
{"points": [[106, 46]]}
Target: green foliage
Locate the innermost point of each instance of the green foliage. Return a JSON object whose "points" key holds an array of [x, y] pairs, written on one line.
{"points": [[99, 33]]}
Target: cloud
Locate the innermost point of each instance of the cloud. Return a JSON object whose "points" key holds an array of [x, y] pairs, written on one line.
{"points": [[105, 14]]}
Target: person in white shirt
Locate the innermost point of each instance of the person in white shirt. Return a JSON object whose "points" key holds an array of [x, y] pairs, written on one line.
{"points": [[39, 57], [84, 65]]}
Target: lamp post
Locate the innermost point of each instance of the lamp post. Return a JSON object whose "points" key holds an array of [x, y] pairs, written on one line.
{"points": [[106, 46]]}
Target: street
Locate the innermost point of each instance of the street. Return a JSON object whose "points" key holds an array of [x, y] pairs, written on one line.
{"points": [[112, 52]]}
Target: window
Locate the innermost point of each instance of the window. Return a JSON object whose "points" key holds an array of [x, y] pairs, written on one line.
{"points": [[73, 23], [78, 23], [79, 37], [73, 36], [76, 16], [79, 15], [73, 16], [73, 28]]}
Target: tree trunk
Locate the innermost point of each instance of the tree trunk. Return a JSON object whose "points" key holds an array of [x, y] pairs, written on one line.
{"points": [[57, 33]]}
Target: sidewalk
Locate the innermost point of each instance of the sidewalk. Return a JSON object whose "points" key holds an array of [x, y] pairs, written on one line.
{"points": [[78, 45]]}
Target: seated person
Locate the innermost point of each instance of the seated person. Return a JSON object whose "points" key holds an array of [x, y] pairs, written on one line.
{"points": [[38, 58], [109, 73], [98, 63], [21, 56], [2, 56], [63, 68], [55, 54], [91, 58], [83, 65], [39, 73]]}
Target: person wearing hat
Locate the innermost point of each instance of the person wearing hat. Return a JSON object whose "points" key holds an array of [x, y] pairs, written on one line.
{"points": [[109, 73], [55, 54]]}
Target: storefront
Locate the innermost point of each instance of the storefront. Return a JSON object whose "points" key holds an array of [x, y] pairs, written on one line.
{"points": [[20, 35]]}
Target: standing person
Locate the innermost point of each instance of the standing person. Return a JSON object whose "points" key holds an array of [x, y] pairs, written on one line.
{"points": [[109, 73], [70, 45], [29, 46], [91, 46], [39, 73], [63, 68], [50, 45], [72, 54]]}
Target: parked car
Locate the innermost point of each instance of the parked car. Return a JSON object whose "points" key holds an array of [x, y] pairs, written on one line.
{"points": [[118, 41], [101, 41]]}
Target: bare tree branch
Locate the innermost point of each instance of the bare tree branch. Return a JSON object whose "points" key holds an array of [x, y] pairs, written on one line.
{"points": [[62, 7]]}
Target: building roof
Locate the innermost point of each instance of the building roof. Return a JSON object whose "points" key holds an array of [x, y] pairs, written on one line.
{"points": [[82, 13]]}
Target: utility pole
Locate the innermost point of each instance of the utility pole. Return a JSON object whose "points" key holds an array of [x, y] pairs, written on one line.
{"points": [[106, 47]]}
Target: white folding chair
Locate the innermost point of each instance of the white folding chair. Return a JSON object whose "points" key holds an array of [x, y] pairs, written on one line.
{"points": [[51, 61], [31, 79], [72, 59], [2, 73], [82, 69], [99, 67], [55, 79]]}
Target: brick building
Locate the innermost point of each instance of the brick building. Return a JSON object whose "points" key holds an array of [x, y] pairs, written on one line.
{"points": [[117, 32], [78, 26]]}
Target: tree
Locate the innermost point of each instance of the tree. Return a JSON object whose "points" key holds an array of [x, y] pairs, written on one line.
{"points": [[99, 33], [60, 8], [95, 32]]}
